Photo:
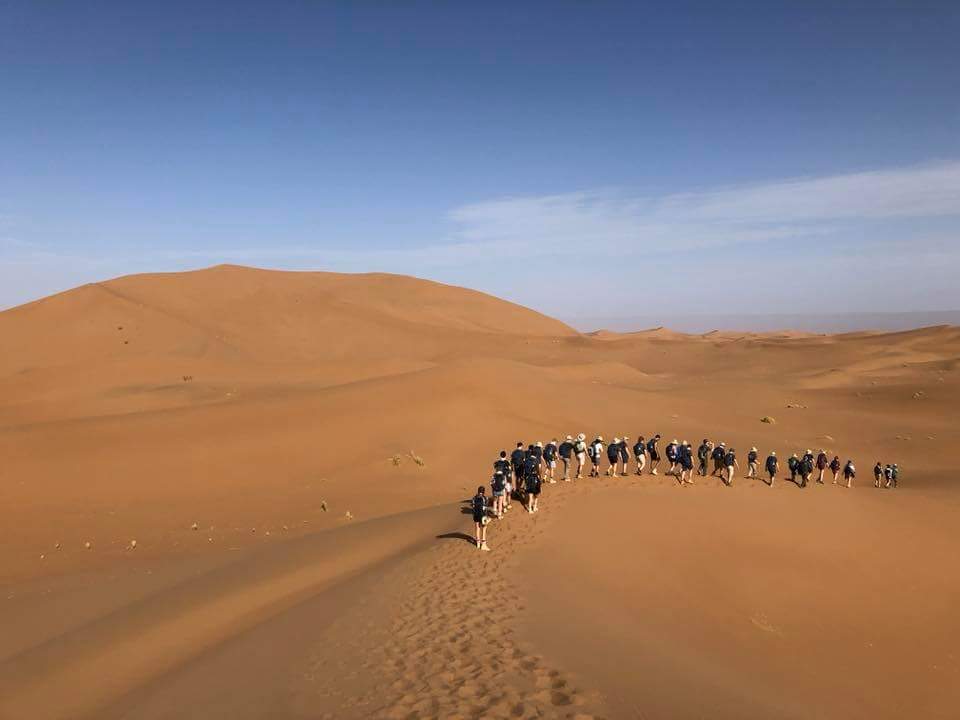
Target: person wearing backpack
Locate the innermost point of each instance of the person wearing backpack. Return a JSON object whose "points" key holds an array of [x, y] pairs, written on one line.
{"points": [[773, 465], [653, 448], [821, 465], [894, 475], [793, 465], [596, 457], [640, 454], [480, 519], [532, 482], [624, 454], [703, 455], [730, 461], [550, 459], [613, 456], [498, 486], [685, 461], [502, 465], [580, 450], [835, 469], [516, 460], [877, 473], [806, 468], [566, 454], [752, 463], [849, 473], [671, 454], [719, 453]]}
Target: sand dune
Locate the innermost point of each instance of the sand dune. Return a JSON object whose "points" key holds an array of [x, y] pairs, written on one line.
{"points": [[263, 407]]}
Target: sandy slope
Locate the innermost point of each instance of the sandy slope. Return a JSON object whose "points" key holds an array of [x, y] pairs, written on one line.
{"points": [[264, 406]]}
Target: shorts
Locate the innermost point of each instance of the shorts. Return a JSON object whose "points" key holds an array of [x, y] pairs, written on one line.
{"points": [[654, 456], [729, 468], [478, 518], [581, 458], [565, 458], [552, 463], [498, 493]]}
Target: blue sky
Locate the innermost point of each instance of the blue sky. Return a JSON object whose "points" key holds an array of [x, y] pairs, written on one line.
{"points": [[584, 158]]}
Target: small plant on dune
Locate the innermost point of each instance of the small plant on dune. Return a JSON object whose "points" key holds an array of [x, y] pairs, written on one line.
{"points": [[768, 420], [187, 378], [395, 460], [417, 459]]}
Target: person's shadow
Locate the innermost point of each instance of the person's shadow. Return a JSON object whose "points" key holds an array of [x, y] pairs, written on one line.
{"points": [[457, 536]]}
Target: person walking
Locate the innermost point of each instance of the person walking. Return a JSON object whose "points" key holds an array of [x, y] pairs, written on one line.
{"points": [[685, 460], [849, 473], [502, 465], [671, 454], [624, 454], [613, 456], [877, 473], [532, 481], [793, 464], [821, 465], [653, 448], [566, 455], [550, 459], [752, 463], [580, 450], [719, 453], [730, 461], [835, 469], [806, 468], [498, 487], [640, 454], [773, 466], [703, 457], [478, 505], [894, 475]]}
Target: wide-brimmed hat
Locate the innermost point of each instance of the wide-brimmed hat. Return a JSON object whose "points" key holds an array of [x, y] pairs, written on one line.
{"points": [[616, 439], [569, 437], [581, 436], [773, 452], [539, 443], [753, 449]]}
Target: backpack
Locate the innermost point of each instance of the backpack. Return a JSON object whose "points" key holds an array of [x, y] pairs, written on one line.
{"points": [[531, 466], [549, 452], [792, 463], [752, 457], [729, 459], [590, 450], [652, 446], [771, 464], [702, 452], [718, 453], [638, 449], [498, 483], [479, 505]]}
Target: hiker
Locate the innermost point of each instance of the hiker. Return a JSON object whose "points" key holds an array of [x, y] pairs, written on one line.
{"points": [[580, 449], [653, 448], [849, 473], [773, 465], [640, 454], [516, 460], [671, 454], [821, 465], [613, 455], [730, 461], [624, 454], [894, 474], [531, 480], [537, 450], [719, 453], [502, 465], [550, 458], [703, 455], [877, 474], [499, 486], [888, 474], [752, 463], [806, 468], [566, 453], [479, 507], [685, 459], [835, 468], [793, 464], [595, 451]]}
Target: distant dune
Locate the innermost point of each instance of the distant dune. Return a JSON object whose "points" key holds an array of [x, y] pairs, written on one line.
{"points": [[236, 493]]}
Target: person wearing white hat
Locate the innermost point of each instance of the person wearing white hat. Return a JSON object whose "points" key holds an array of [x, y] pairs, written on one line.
{"points": [[719, 453], [550, 459], [685, 463], [580, 449], [596, 452], [752, 463], [613, 456], [671, 453], [566, 454]]}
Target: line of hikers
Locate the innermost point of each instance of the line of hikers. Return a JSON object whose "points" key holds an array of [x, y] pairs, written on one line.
{"points": [[522, 474]]}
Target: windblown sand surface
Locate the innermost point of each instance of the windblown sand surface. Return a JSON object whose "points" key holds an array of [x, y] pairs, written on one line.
{"points": [[290, 451]]}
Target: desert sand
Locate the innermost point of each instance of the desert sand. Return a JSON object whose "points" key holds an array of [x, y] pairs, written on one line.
{"points": [[238, 493]]}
